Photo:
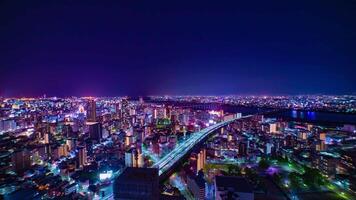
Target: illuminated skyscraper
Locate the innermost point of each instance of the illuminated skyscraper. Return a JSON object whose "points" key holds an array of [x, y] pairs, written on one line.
{"points": [[155, 113], [132, 111], [134, 158], [125, 106], [82, 156], [118, 110], [201, 160], [164, 112], [273, 128], [59, 151], [91, 111], [46, 138]]}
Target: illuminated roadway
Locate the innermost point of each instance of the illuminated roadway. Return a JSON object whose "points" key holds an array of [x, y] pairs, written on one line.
{"points": [[165, 163]]}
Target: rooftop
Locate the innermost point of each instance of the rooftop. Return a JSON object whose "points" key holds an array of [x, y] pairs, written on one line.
{"points": [[139, 174], [239, 184]]}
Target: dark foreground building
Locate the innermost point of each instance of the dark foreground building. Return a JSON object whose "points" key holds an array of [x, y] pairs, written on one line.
{"points": [[137, 183], [232, 188]]}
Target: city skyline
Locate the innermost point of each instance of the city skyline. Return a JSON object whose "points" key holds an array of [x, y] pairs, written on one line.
{"points": [[157, 48], [180, 147], [195, 100]]}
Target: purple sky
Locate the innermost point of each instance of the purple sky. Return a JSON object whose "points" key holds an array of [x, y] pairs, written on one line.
{"points": [[111, 48]]}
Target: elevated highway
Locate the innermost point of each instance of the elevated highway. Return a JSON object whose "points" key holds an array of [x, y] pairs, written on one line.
{"points": [[174, 157]]}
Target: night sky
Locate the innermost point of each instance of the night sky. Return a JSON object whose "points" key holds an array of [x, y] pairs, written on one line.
{"points": [[187, 47]]}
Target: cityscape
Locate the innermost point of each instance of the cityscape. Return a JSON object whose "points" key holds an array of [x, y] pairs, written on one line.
{"points": [[186, 147], [178, 100]]}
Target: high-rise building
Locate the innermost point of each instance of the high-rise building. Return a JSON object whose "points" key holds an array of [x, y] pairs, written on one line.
{"points": [[328, 163], [243, 148], [132, 111], [128, 158], [347, 163], [91, 111], [155, 113], [71, 143], [46, 138], [129, 137], [322, 136], [118, 110], [124, 106], [67, 130], [289, 141], [95, 131], [6, 125], [184, 118], [222, 130], [196, 184], [21, 160], [201, 160], [133, 158], [302, 135], [268, 148], [59, 151], [147, 131], [165, 109], [323, 145], [141, 100], [272, 128], [137, 183], [82, 156]]}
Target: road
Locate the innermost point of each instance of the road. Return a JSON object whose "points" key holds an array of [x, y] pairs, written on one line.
{"points": [[177, 153]]}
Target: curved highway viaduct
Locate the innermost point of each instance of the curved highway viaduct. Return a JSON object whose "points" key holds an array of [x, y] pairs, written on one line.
{"points": [[167, 164]]}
